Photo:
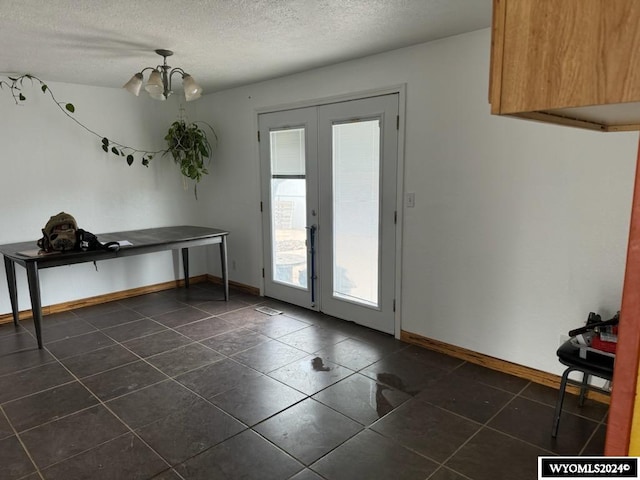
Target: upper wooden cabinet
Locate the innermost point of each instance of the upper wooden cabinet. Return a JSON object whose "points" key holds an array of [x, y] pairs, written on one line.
{"points": [[572, 62]]}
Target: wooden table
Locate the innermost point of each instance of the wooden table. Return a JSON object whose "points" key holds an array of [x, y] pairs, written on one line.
{"points": [[143, 241]]}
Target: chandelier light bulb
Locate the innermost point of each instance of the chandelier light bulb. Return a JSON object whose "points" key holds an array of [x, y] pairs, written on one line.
{"points": [[154, 84], [192, 90], [134, 85], [159, 83]]}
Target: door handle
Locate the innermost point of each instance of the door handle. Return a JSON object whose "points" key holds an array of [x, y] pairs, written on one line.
{"points": [[311, 244]]}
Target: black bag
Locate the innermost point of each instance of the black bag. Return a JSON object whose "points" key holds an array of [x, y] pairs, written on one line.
{"points": [[87, 241]]}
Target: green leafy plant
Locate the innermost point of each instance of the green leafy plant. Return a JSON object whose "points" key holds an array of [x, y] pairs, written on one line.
{"points": [[189, 146], [187, 142]]}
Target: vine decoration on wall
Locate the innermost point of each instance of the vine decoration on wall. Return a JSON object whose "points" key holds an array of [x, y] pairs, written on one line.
{"points": [[186, 142]]}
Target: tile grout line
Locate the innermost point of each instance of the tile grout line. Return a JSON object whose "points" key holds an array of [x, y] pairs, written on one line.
{"points": [[540, 402], [482, 426], [519, 394], [261, 373], [37, 391], [24, 447], [443, 467], [369, 427], [550, 452], [210, 403], [100, 402], [593, 434], [266, 374], [144, 359]]}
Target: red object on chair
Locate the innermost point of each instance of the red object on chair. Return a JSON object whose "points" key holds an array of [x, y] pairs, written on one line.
{"points": [[599, 344]]}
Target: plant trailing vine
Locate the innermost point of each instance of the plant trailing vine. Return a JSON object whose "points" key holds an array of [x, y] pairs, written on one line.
{"points": [[186, 142]]}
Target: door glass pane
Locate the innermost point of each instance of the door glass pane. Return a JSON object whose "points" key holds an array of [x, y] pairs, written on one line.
{"points": [[356, 199], [288, 207]]}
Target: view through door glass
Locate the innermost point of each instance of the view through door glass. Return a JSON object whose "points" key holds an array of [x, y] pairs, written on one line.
{"points": [[288, 204], [356, 198]]}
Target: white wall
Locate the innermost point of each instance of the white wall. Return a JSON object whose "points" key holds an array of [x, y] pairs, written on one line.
{"points": [[50, 164], [519, 228]]}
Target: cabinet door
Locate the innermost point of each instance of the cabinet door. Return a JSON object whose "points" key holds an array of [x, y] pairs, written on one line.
{"points": [[550, 54]]}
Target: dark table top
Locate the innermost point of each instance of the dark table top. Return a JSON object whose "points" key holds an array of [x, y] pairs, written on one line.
{"points": [[143, 241]]}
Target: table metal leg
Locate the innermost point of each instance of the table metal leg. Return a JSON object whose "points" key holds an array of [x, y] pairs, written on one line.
{"points": [[185, 266], [34, 293], [223, 263], [10, 269]]}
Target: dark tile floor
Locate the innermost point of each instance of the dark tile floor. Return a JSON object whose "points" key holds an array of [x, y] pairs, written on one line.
{"points": [[182, 385]]}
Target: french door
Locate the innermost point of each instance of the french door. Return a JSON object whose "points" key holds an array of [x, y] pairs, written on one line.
{"points": [[329, 176]]}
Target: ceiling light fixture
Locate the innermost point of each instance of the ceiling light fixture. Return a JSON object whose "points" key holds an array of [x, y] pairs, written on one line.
{"points": [[159, 83]]}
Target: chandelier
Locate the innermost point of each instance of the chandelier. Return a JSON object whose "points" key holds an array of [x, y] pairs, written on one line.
{"points": [[159, 83]]}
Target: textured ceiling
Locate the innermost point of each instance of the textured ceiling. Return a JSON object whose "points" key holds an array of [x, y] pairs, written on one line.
{"points": [[222, 43]]}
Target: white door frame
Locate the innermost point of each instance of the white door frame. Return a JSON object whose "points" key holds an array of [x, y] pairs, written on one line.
{"points": [[401, 91]]}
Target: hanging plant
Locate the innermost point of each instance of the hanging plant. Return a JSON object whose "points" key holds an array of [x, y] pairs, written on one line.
{"points": [[187, 143], [189, 147]]}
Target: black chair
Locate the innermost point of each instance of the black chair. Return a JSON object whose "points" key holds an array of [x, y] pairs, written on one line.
{"points": [[594, 364]]}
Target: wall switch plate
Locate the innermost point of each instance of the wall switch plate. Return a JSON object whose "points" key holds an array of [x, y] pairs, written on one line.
{"points": [[410, 200]]}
